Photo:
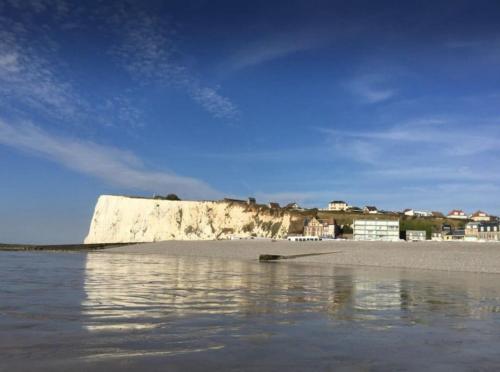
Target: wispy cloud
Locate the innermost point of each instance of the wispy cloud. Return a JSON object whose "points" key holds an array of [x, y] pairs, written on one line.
{"points": [[119, 108], [359, 149], [371, 88], [27, 79], [217, 105], [35, 81], [416, 153], [464, 44], [110, 164], [55, 7], [445, 138], [34, 78], [277, 45], [148, 51], [464, 173], [485, 51]]}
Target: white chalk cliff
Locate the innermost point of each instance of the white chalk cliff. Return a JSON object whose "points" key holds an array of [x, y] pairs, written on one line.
{"points": [[120, 219]]}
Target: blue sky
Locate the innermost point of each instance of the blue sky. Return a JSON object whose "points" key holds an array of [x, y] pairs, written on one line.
{"points": [[389, 103]]}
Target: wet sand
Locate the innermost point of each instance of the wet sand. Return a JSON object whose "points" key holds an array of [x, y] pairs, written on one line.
{"points": [[447, 256]]}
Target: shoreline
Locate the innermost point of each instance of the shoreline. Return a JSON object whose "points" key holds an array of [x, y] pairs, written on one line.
{"points": [[442, 256], [471, 257], [59, 247]]}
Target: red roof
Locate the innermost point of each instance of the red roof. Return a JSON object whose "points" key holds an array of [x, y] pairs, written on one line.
{"points": [[480, 213], [456, 212]]}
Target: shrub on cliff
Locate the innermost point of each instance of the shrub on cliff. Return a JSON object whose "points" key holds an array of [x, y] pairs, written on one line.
{"points": [[248, 227], [172, 197]]}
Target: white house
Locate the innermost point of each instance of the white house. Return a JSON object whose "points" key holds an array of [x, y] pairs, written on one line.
{"points": [[370, 209], [415, 235], [480, 216], [472, 228], [457, 214], [337, 205], [413, 212]]}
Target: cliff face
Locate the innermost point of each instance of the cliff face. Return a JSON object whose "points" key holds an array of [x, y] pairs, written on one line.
{"points": [[119, 219]]}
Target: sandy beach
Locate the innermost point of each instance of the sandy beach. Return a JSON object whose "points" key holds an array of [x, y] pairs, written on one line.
{"points": [[448, 256]]}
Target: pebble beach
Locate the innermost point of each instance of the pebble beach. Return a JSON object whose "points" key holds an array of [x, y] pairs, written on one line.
{"points": [[447, 256]]}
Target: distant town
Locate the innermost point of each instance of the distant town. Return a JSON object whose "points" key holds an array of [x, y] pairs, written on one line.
{"points": [[371, 223], [340, 220]]}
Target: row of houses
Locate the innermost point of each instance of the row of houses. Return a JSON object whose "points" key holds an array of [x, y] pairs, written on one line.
{"points": [[473, 231], [342, 206], [389, 230], [482, 227], [456, 214]]}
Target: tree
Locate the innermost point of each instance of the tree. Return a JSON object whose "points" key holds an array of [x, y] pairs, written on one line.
{"points": [[172, 197]]}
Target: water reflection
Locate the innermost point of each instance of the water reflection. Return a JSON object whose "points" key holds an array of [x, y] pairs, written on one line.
{"points": [[133, 292], [106, 311]]}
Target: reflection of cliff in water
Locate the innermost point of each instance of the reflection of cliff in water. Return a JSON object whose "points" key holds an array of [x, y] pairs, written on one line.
{"points": [[125, 291]]}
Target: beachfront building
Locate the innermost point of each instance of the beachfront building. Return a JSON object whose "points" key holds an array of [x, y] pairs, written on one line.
{"points": [[382, 230], [273, 205], [370, 209], [337, 205], [313, 227], [437, 237], [457, 214], [457, 234], [480, 216], [483, 230], [446, 229], [416, 235], [472, 230], [321, 228], [489, 231]]}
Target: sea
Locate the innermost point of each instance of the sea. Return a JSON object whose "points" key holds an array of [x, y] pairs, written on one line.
{"points": [[103, 311]]}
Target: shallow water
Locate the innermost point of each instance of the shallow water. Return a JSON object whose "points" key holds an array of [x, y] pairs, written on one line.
{"points": [[100, 311]]}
